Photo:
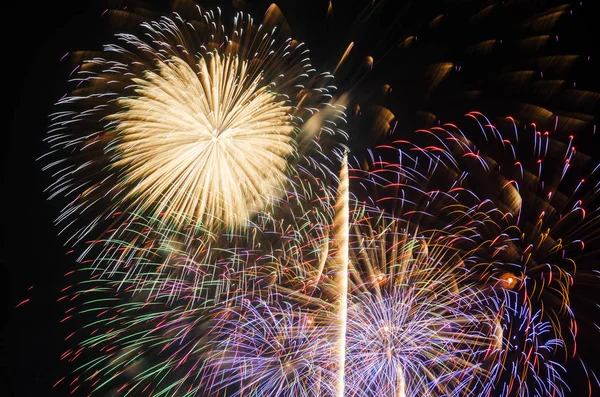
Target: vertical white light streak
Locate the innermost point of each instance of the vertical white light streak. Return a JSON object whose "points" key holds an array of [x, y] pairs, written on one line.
{"points": [[400, 383], [341, 230]]}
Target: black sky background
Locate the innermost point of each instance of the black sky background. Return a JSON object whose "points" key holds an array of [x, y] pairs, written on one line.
{"points": [[35, 38]]}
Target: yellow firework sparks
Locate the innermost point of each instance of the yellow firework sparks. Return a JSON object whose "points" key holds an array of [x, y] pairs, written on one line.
{"points": [[193, 125], [208, 145]]}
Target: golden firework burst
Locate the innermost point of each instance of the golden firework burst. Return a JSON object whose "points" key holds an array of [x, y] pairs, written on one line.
{"points": [[208, 144]]}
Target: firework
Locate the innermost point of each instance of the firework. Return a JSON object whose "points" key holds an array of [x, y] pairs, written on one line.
{"points": [[188, 140], [526, 201], [189, 123], [418, 324], [137, 343], [432, 304], [444, 263], [279, 350]]}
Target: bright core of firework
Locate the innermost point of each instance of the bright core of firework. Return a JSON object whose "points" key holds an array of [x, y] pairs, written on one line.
{"points": [[206, 145]]}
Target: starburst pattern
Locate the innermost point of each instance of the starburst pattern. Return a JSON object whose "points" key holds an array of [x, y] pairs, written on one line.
{"points": [[206, 142]]}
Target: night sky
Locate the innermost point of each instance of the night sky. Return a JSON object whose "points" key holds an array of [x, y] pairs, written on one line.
{"points": [[35, 260]]}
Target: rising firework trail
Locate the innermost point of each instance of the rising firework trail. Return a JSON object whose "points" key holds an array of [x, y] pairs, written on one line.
{"points": [[340, 270]]}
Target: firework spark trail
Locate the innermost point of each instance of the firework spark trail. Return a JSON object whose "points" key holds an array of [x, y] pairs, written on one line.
{"points": [[532, 351], [340, 271]]}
